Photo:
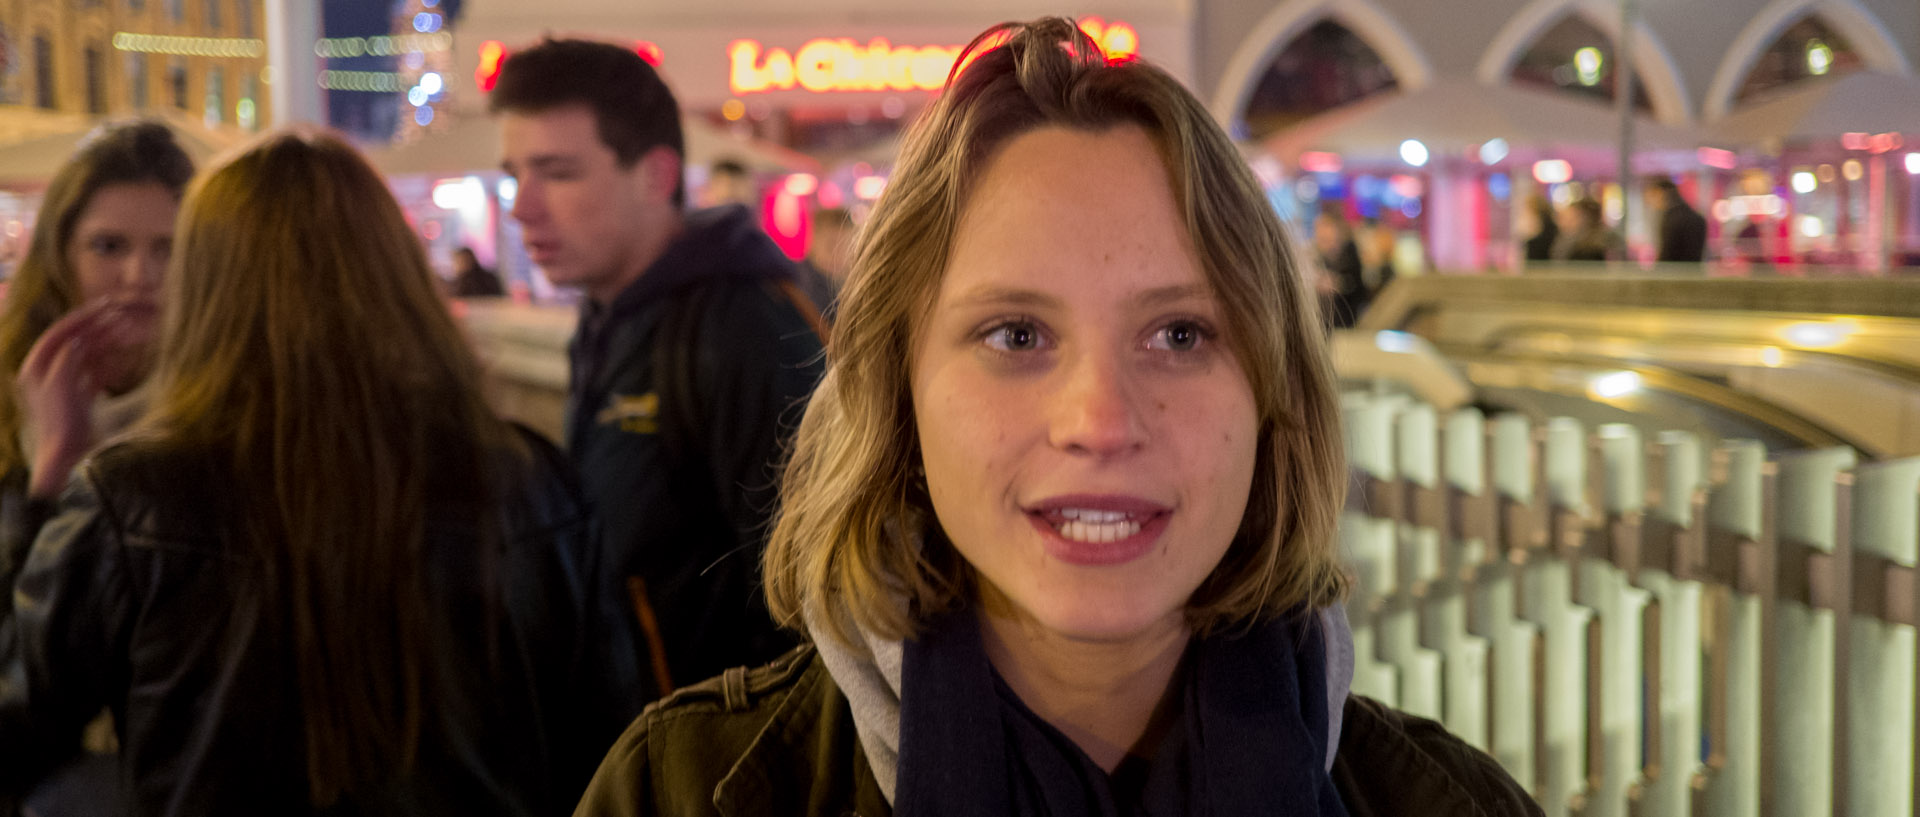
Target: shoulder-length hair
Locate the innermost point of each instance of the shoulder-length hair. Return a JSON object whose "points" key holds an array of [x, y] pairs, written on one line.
{"points": [[45, 286], [856, 530], [303, 344]]}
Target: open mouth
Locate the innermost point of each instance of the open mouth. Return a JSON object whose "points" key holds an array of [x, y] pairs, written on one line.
{"points": [[1095, 526]]}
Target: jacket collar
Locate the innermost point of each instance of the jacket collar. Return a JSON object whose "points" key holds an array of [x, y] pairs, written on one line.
{"points": [[808, 745]]}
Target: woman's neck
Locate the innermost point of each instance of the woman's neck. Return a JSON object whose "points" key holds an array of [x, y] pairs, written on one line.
{"points": [[1103, 695]]}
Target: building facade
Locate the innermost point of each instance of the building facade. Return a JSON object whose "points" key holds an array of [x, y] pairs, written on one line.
{"points": [[199, 60]]}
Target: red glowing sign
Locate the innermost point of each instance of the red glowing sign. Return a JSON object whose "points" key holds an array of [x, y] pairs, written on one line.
{"points": [[649, 52], [1715, 157], [492, 54], [841, 64], [1315, 161]]}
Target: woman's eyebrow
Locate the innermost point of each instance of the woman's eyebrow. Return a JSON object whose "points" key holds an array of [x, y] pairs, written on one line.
{"points": [[997, 295], [1162, 296]]}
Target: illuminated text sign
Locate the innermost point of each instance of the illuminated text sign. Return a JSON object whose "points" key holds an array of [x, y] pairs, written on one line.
{"points": [[843, 64]]}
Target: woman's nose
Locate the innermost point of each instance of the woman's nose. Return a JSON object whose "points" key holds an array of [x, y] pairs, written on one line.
{"points": [[1097, 409], [145, 269]]}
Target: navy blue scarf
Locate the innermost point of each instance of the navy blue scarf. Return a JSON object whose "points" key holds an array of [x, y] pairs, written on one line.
{"points": [[1250, 736]]}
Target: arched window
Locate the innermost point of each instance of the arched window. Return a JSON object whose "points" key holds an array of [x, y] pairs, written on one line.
{"points": [[1576, 58], [1324, 67], [1807, 49]]}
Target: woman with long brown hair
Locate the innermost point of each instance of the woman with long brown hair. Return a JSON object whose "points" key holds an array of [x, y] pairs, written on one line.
{"points": [[319, 574]]}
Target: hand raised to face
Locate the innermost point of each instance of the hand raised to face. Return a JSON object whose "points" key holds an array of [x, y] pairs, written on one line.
{"points": [[99, 348]]}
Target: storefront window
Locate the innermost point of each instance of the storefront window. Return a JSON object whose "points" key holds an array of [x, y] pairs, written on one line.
{"points": [[243, 10], [245, 112], [177, 81], [216, 107], [96, 79], [43, 72], [1325, 67], [213, 15], [137, 80], [1576, 58], [1805, 50]]}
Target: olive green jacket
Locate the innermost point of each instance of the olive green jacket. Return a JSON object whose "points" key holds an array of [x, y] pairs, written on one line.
{"points": [[780, 740]]}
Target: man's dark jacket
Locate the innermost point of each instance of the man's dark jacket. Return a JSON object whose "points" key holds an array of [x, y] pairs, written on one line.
{"points": [[142, 597], [779, 741], [1683, 233], [684, 389]]}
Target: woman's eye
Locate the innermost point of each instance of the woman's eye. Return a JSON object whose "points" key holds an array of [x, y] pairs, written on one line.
{"points": [[1179, 336], [1016, 336], [107, 245]]}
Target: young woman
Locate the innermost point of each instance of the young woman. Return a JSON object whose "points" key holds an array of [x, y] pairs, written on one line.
{"points": [[318, 575], [1060, 518], [77, 325]]}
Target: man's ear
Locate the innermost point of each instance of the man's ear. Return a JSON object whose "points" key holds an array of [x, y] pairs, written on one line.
{"points": [[660, 172]]}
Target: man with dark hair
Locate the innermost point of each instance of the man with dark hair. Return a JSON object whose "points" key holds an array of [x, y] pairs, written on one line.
{"points": [[692, 355], [1683, 231]]}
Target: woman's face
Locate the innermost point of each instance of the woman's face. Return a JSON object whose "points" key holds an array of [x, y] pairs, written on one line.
{"points": [[121, 241], [118, 251], [1088, 434]]}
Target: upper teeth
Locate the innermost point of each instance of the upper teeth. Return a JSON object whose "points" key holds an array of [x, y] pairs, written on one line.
{"points": [[1094, 517]]}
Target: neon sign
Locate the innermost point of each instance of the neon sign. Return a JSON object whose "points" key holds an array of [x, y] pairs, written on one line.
{"points": [[841, 64], [493, 55]]}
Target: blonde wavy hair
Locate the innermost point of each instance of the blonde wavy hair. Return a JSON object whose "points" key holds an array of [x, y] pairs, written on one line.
{"points": [[856, 535]]}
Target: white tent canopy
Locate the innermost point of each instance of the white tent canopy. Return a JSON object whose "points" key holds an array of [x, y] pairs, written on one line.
{"points": [[473, 144], [1825, 108], [1450, 115]]}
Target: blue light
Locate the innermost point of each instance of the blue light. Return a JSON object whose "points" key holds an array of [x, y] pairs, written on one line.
{"points": [[1332, 187], [430, 3], [417, 96], [1410, 209], [1368, 187], [426, 23], [1499, 187], [423, 116]]}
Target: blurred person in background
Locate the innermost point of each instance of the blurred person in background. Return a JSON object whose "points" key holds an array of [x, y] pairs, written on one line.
{"points": [[76, 342], [318, 575], [1585, 236], [470, 280], [694, 353], [1060, 522], [824, 270], [1682, 231], [1379, 244], [1546, 229], [729, 182], [1344, 288]]}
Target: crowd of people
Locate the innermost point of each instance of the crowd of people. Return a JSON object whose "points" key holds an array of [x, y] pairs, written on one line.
{"points": [[1038, 520], [1579, 231]]}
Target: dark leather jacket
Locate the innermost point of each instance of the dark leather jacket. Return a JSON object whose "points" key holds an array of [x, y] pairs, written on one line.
{"points": [[780, 740], [135, 598]]}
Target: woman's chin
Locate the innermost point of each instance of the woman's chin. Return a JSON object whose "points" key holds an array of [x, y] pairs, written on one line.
{"points": [[126, 373], [1114, 621]]}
